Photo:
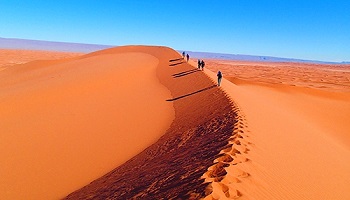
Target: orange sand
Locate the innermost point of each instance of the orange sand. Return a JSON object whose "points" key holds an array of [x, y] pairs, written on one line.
{"points": [[10, 57], [318, 76], [171, 168], [65, 123], [293, 141]]}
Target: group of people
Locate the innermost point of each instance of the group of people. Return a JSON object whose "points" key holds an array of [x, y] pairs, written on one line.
{"points": [[187, 56], [201, 64]]}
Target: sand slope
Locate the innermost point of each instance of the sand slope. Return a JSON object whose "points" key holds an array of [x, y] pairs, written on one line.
{"points": [[295, 139], [64, 123], [172, 167]]}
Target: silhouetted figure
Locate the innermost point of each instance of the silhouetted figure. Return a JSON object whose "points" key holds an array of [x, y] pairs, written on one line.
{"points": [[202, 64], [188, 57], [219, 77], [199, 64], [183, 55]]}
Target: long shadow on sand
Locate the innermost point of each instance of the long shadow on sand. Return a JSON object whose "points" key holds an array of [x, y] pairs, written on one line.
{"points": [[176, 63], [176, 59], [186, 95], [184, 73]]}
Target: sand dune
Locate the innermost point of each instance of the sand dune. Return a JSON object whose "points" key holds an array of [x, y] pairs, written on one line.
{"points": [[295, 141], [140, 123], [64, 123], [173, 166]]}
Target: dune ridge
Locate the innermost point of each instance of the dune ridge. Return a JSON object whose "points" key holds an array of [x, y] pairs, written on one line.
{"points": [[226, 168], [173, 167]]}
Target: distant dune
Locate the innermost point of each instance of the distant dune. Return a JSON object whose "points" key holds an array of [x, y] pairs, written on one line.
{"points": [[9, 57]]}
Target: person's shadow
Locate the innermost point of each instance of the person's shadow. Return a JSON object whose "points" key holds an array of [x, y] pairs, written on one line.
{"points": [[184, 73], [176, 61], [192, 93]]}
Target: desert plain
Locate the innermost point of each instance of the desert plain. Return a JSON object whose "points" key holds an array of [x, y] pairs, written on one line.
{"points": [[139, 122]]}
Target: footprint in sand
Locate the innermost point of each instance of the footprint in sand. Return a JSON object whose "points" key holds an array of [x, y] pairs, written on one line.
{"points": [[226, 150], [226, 172], [230, 192], [242, 174], [239, 159], [237, 142], [234, 151], [226, 158]]}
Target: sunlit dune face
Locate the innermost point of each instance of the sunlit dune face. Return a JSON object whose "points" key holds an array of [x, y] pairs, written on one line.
{"points": [[64, 124]]}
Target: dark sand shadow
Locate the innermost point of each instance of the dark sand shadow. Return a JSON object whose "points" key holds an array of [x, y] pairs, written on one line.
{"points": [[176, 59], [186, 95], [184, 73], [176, 63]]}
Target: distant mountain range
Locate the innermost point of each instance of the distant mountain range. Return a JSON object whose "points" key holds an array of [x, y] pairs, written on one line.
{"points": [[203, 55], [13, 43]]}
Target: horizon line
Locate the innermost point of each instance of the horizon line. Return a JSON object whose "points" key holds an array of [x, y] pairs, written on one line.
{"points": [[213, 55]]}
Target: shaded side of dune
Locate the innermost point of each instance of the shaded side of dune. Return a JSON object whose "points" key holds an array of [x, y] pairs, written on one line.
{"points": [[172, 167]]}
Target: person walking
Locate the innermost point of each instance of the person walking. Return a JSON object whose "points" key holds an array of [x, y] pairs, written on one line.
{"points": [[183, 55], [199, 64], [188, 57], [202, 64], [219, 77]]}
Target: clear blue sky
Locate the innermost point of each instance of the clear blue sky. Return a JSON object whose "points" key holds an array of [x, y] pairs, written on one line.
{"points": [[305, 29]]}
